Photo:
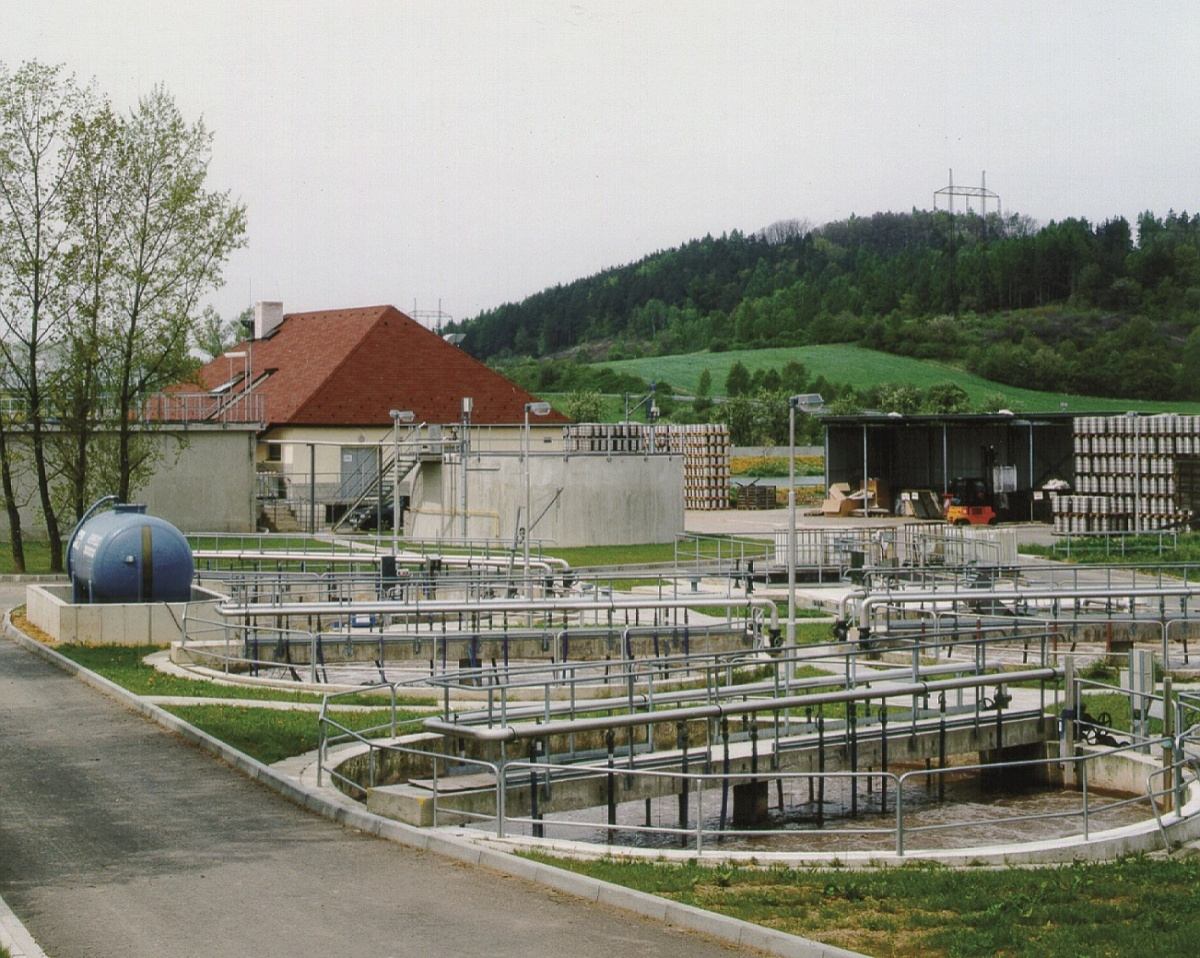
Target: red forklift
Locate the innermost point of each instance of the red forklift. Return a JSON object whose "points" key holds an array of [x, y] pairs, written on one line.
{"points": [[971, 501]]}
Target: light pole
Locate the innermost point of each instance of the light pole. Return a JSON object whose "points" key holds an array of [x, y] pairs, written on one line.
{"points": [[464, 453], [538, 409], [398, 416], [806, 402]]}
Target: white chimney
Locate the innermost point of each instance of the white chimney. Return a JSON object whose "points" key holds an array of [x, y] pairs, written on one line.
{"points": [[266, 317]]}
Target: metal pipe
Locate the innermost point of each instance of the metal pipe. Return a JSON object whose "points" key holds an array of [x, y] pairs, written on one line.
{"points": [[546, 565], [434, 606], [791, 534], [974, 595], [512, 733]]}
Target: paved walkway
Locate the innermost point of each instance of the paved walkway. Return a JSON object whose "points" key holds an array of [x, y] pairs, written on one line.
{"points": [[117, 839]]}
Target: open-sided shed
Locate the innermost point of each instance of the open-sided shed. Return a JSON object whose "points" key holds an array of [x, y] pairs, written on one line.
{"points": [[931, 451]]}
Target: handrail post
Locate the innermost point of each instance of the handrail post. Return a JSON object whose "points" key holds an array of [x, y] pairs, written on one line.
{"points": [[501, 775], [1084, 781], [322, 732]]}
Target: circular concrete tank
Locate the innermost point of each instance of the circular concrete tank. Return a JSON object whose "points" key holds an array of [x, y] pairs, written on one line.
{"points": [[128, 556]]}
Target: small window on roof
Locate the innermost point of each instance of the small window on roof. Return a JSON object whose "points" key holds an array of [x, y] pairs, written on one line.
{"points": [[226, 386]]}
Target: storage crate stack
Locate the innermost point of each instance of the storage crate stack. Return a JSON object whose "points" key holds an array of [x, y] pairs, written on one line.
{"points": [[1125, 473], [706, 475], [705, 449]]}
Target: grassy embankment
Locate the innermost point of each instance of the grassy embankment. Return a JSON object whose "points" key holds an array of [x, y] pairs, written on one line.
{"points": [[267, 734], [863, 368], [124, 666], [1126, 907], [270, 735]]}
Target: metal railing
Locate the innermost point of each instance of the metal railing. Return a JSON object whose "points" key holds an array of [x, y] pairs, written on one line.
{"points": [[681, 794], [238, 407], [720, 555], [1163, 540], [448, 658], [685, 785]]}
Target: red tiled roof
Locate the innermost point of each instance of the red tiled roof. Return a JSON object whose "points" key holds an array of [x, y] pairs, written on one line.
{"points": [[349, 367]]}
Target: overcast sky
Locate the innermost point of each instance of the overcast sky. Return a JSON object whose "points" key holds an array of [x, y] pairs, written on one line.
{"points": [[477, 152]]}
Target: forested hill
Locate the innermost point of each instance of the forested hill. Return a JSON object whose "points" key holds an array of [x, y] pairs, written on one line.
{"points": [[1096, 309]]}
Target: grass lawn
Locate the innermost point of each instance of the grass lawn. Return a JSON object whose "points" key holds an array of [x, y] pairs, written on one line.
{"points": [[862, 368], [123, 665], [1128, 907], [258, 543], [270, 735], [1134, 549], [37, 558]]}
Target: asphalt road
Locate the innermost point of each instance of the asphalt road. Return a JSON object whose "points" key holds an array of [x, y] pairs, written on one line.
{"points": [[116, 839]]}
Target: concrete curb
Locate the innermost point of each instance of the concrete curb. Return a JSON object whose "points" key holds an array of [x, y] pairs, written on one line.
{"points": [[14, 937], [732, 930]]}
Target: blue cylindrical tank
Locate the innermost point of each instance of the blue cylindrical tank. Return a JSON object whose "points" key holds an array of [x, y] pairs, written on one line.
{"points": [[127, 556]]}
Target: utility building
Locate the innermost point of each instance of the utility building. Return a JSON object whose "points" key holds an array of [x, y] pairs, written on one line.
{"points": [[367, 416]]}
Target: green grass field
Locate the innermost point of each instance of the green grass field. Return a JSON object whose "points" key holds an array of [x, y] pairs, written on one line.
{"points": [[123, 664], [1127, 907], [709, 547], [271, 735], [864, 367]]}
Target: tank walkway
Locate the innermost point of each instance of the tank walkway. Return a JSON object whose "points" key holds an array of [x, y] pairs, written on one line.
{"points": [[118, 839]]}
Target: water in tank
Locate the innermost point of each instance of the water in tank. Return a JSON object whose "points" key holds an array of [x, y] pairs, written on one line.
{"points": [[127, 556]]}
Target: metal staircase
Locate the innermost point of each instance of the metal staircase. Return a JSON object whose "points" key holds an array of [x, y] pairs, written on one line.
{"points": [[368, 485]]}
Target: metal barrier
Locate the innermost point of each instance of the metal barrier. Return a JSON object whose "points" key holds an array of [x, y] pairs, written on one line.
{"points": [[696, 783], [685, 791], [1163, 539]]}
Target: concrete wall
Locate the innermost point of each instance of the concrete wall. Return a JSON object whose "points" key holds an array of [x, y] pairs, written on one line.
{"points": [[302, 451], [49, 607], [587, 499], [203, 481], [206, 482]]}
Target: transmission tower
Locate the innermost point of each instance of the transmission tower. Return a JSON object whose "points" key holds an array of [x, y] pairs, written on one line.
{"points": [[433, 319], [981, 192]]}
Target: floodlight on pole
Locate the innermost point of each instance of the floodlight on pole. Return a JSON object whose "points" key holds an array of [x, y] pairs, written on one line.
{"points": [[398, 416], [538, 409]]}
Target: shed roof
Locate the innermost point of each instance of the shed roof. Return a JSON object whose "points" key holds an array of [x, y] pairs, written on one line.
{"points": [[896, 420], [349, 367]]}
